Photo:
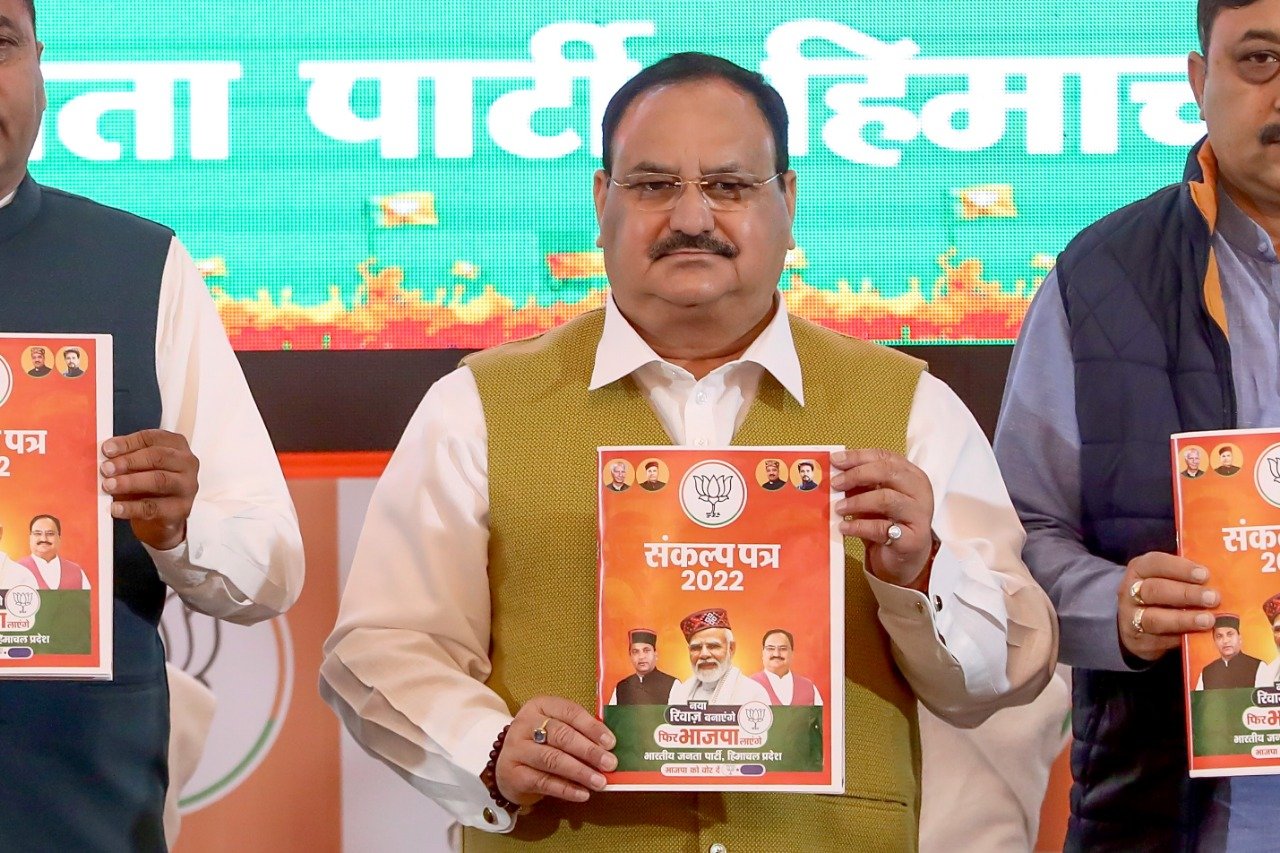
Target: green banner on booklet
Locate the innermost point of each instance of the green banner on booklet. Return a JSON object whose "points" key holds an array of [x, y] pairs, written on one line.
{"points": [[663, 738]]}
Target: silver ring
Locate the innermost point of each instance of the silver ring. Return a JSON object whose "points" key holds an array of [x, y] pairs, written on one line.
{"points": [[894, 533], [1135, 593], [540, 733], [1137, 620]]}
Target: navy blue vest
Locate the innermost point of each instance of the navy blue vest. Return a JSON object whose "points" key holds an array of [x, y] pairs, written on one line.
{"points": [[1149, 362], [85, 763]]}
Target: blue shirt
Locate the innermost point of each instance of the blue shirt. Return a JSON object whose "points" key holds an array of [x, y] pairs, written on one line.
{"points": [[1037, 444]]}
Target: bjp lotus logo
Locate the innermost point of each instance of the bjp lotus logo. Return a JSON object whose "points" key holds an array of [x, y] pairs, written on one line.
{"points": [[1266, 475], [713, 493]]}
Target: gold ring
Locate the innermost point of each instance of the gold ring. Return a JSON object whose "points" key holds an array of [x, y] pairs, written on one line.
{"points": [[1135, 593], [1137, 620], [540, 733]]}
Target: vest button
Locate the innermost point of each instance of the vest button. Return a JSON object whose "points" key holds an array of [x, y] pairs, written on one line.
{"points": [[489, 816], [717, 848]]}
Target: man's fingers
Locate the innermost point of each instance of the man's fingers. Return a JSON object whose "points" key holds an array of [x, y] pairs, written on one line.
{"points": [[173, 459], [150, 483], [544, 784], [119, 445], [1171, 593], [559, 763], [852, 458], [882, 504], [1157, 565], [1166, 621], [576, 717], [572, 742], [151, 509]]}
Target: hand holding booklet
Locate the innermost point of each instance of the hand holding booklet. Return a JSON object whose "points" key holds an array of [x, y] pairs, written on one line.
{"points": [[721, 619]]}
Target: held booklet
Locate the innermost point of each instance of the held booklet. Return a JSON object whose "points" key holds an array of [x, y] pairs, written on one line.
{"points": [[1227, 509], [721, 630], [55, 520]]}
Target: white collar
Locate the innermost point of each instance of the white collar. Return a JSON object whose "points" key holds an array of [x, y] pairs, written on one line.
{"points": [[622, 351], [55, 563], [4, 202], [782, 679]]}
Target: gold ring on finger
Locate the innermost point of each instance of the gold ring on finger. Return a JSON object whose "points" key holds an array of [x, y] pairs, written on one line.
{"points": [[1135, 593], [1137, 620]]}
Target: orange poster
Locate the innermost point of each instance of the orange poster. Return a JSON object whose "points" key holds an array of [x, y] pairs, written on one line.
{"points": [[721, 618], [1227, 509], [55, 521]]}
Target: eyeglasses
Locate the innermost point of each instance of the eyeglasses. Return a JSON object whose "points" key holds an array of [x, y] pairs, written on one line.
{"points": [[774, 649], [729, 191]]}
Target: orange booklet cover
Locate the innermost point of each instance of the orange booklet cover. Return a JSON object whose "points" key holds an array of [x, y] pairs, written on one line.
{"points": [[1227, 510], [721, 618], [55, 521]]}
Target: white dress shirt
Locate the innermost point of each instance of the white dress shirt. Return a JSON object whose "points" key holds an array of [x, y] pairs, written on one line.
{"points": [[242, 557], [13, 574], [784, 687], [732, 688], [406, 663]]}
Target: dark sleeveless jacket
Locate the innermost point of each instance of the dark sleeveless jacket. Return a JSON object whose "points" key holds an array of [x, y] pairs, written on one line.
{"points": [[86, 762], [1150, 361]]}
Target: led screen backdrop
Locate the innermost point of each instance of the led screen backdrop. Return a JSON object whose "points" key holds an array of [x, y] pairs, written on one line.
{"points": [[416, 173]]}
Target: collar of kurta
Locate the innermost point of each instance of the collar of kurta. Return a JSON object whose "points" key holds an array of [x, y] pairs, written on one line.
{"points": [[19, 212], [622, 351]]}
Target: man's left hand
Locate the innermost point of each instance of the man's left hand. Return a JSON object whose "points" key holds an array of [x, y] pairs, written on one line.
{"points": [[883, 489], [151, 477]]}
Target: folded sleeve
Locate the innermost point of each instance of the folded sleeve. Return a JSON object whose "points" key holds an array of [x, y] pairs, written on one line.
{"points": [[984, 636], [242, 557], [406, 663]]}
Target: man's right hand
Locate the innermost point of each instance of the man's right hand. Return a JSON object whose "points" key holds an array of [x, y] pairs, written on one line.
{"points": [[567, 766], [1173, 599]]}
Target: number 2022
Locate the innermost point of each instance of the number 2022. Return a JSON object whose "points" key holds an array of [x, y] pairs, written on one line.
{"points": [[704, 580]]}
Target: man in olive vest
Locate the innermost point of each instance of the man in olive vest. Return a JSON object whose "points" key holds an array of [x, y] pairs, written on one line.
{"points": [[439, 663], [648, 685]]}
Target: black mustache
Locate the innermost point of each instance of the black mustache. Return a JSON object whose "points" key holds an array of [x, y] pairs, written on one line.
{"points": [[702, 242], [1269, 134]]}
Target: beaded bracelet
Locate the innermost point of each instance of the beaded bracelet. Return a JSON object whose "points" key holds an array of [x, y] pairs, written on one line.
{"points": [[489, 776]]}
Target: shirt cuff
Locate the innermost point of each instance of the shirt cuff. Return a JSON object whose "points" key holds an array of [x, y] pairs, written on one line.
{"points": [[964, 612], [471, 755]]}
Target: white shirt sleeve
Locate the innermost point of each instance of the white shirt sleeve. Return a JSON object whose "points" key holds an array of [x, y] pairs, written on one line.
{"points": [[985, 636], [406, 663], [242, 558]]}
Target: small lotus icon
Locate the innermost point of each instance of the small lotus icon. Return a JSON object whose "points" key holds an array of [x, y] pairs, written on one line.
{"points": [[1273, 462], [713, 489]]}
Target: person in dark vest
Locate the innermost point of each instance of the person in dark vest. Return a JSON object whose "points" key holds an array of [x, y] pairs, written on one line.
{"points": [[439, 664], [1233, 668], [784, 686], [773, 476], [649, 685], [93, 755], [1226, 466], [1157, 319], [38, 366], [651, 482]]}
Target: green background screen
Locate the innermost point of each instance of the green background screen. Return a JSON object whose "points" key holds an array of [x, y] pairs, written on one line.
{"points": [[414, 174]]}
